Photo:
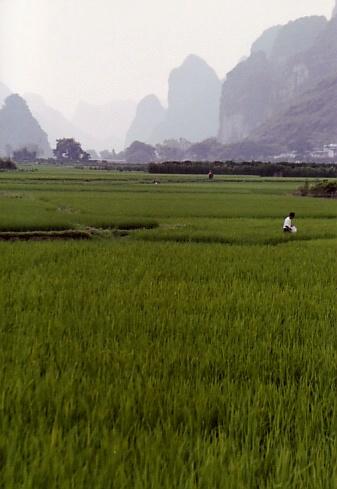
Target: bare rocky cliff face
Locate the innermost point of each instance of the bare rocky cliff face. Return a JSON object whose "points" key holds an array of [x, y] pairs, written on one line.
{"points": [[19, 129], [280, 67], [309, 122], [247, 98]]}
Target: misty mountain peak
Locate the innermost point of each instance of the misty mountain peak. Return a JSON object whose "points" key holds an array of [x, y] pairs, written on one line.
{"points": [[193, 65], [193, 74], [193, 106], [193, 102], [18, 127], [193, 60], [16, 102], [149, 114], [106, 122], [149, 102]]}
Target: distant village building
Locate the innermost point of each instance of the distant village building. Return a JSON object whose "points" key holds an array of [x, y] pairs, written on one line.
{"points": [[291, 156], [328, 152]]}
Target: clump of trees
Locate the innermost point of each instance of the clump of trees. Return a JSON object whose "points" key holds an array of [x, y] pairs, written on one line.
{"points": [[109, 155], [93, 154], [182, 156], [69, 150], [325, 189], [26, 154], [173, 149], [139, 152], [7, 164]]}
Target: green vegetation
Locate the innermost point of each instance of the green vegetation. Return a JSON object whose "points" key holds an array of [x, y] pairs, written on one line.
{"points": [[6, 164], [193, 349], [325, 188], [67, 150], [258, 168]]}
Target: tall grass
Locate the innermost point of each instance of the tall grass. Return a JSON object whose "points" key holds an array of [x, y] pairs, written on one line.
{"points": [[147, 363], [184, 366]]}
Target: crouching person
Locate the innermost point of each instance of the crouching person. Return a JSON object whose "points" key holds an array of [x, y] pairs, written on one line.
{"points": [[288, 226]]}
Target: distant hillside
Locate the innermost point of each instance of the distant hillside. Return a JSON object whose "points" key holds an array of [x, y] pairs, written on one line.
{"points": [[320, 60], [18, 128], [280, 68], [266, 41], [247, 98], [193, 103], [150, 113], [311, 121]]}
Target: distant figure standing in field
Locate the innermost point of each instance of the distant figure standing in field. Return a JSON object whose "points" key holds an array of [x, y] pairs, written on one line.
{"points": [[288, 226], [210, 175]]}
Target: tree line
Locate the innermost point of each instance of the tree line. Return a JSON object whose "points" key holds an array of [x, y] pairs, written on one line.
{"points": [[257, 168]]}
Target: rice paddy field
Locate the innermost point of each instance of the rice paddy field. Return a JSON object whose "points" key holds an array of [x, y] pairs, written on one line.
{"points": [[185, 343]]}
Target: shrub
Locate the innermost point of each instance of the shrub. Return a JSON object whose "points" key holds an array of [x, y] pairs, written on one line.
{"points": [[7, 164], [325, 188]]}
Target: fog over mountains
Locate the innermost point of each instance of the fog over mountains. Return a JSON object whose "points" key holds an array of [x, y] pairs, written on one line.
{"points": [[193, 106], [96, 127], [107, 124], [56, 124], [283, 96], [193, 103]]}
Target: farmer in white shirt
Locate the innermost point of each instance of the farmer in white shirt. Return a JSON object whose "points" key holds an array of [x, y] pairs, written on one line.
{"points": [[288, 226]]}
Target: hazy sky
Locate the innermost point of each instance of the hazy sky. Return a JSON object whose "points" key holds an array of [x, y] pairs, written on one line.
{"points": [[102, 50]]}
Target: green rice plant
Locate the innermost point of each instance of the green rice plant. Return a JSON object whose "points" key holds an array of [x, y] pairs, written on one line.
{"points": [[168, 365], [197, 353]]}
